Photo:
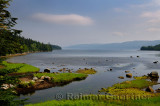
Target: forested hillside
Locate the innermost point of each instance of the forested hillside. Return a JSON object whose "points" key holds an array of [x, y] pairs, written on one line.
{"points": [[11, 41], [156, 47]]}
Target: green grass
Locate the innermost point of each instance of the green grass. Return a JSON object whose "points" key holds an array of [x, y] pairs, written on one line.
{"points": [[86, 71], [21, 68], [129, 88], [139, 83], [62, 77], [72, 103], [153, 101]]}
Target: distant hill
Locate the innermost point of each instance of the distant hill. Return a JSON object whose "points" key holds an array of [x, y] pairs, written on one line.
{"points": [[130, 45]]}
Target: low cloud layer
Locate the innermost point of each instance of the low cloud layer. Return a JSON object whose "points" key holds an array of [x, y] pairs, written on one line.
{"points": [[69, 19], [119, 34]]}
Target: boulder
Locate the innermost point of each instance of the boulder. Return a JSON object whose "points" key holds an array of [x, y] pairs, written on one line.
{"points": [[127, 71], [35, 78], [153, 74], [129, 75], [47, 78], [41, 81], [47, 70], [5, 86], [155, 62], [42, 77], [149, 89], [121, 77]]}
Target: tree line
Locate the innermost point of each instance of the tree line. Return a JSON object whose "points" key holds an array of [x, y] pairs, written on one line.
{"points": [[156, 47], [11, 41]]}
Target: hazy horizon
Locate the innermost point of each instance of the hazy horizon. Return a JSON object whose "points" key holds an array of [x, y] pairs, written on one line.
{"points": [[71, 22]]}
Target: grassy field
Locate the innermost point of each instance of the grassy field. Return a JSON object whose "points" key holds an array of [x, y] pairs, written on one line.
{"points": [[86, 71], [62, 77], [21, 68]]}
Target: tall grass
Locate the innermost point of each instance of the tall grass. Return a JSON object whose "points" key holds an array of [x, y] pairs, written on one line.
{"points": [[21, 68]]}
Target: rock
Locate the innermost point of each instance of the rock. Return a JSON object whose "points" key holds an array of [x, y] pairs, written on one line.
{"points": [[149, 89], [47, 70], [127, 71], [41, 81], [137, 56], [110, 69], [158, 90], [155, 62], [42, 77], [153, 74], [60, 70], [5, 86], [129, 75], [47, 78], [121, 77], [103, 89], [35, 78]]}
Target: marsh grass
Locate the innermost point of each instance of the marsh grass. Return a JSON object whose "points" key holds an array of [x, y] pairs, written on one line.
{"points": [[21, 68], [86, 71], [129, 88], [62, 77]]}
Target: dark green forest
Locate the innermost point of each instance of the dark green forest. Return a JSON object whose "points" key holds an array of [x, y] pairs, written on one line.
{"points": [[156, 47], [11, 41]]}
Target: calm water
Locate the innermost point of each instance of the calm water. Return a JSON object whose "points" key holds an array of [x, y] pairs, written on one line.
{"points": [[101, 60]]}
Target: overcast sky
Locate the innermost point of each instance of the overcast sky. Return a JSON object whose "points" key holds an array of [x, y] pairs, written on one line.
{"points": [[70, 22]]}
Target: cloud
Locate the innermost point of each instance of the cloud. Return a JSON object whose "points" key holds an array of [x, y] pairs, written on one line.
{"points": [[152, 3], [68, 19], [153, 29], [153, 17], [119, 34], [119, 10], [155, 14]]}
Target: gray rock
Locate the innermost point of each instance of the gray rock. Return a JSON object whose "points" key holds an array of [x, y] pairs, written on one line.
{"points": [[149, 89], [47, 78], [153, 74], [47, 70], [129, 75]]}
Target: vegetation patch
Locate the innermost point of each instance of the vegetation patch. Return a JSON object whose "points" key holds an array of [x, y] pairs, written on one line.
{"points": [[21, 68], [62, 77], [25, 84], [86, 71], [141, 77], [129, 88]]}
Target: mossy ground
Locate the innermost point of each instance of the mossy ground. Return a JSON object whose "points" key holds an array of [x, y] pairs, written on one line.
{"points": [[86, 71], [62, 77], [129, 88], [21, 68]]}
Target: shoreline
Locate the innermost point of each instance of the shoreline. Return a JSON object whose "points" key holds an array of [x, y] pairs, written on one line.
{"points": [[42, 85]]}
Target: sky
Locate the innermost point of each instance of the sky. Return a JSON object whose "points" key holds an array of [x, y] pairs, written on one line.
{"points": [[71, 22]]}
